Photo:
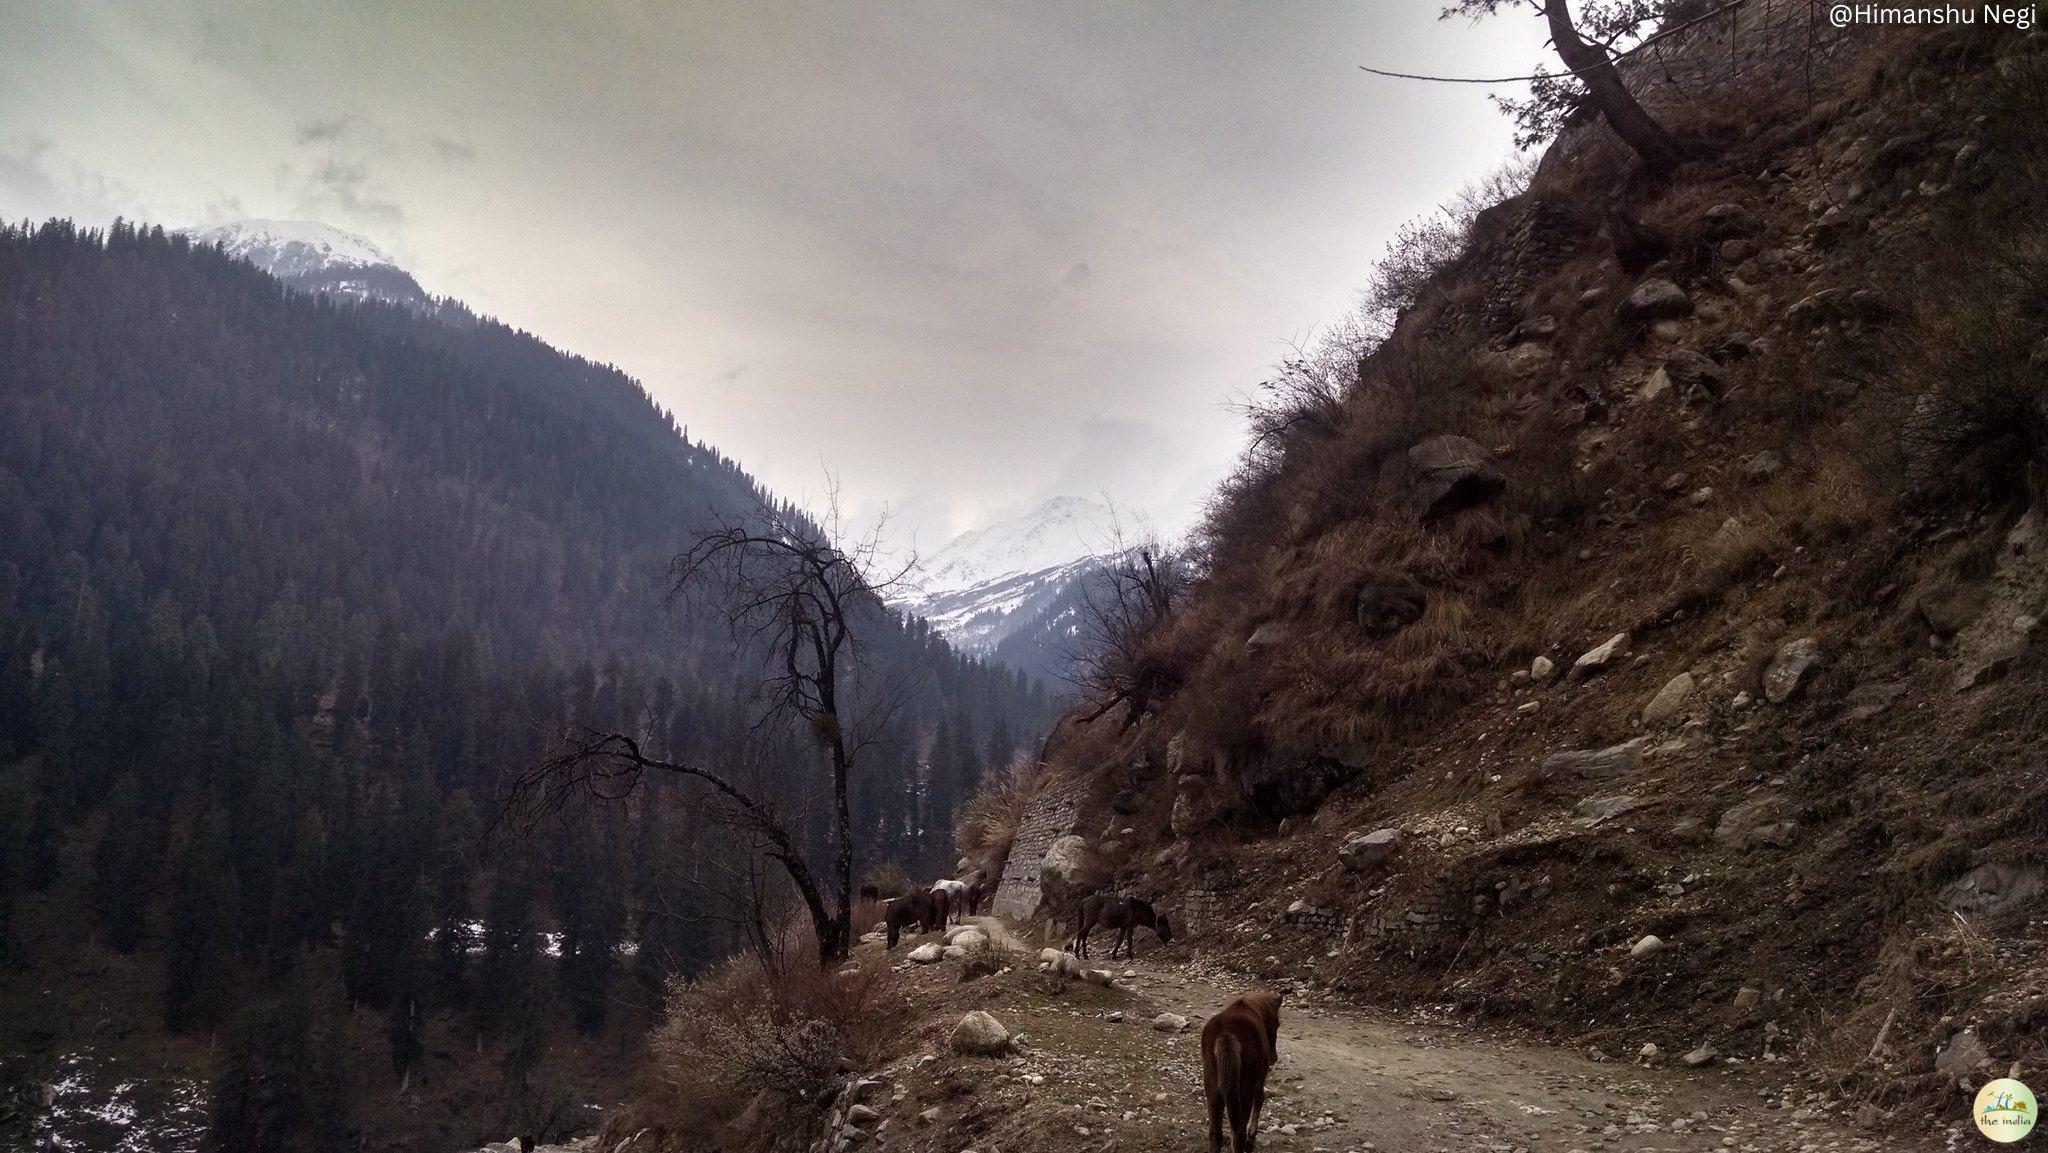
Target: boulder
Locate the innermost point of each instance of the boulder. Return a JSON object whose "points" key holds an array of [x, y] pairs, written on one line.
{"points": [[1102, 977], [968, 937], [952, 953], [1994, 888], [1388, 606], [1440, 476], [1949, 610], [928, 954], [1060, 961], [1695, 378], [1669, 699], [1989, 667], [980, 1035], [1068, 869], [1726, 220], [1867, 701], [1540, 669], [1597, 809], [1702, 1056], [1362, 851], [862, 1115], [1963, 1053], [1612, 761], [1656, 299], [1788, 669], [1594, 660], [1763, 820], [1194, 808], [1764, 465], [1650, 945], [1169, 1022], [1749, 1000]]}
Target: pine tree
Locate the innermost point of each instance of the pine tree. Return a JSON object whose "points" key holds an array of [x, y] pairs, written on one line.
{"points": [[124, 866], [199, 961]]}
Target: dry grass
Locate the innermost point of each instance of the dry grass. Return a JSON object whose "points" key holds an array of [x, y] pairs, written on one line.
{"points": [[987, 824], [744, 1055]]}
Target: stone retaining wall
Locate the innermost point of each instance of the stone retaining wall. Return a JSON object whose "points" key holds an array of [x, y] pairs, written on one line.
{"points": [[1053, 812]]}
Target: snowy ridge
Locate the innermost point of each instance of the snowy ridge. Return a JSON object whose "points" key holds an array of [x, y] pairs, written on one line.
{"points": [[315, 257], [1057, 533], [1004, 581]]}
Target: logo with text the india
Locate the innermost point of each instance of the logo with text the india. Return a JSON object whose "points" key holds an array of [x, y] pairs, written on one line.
{"points": [[2005, 1110]]}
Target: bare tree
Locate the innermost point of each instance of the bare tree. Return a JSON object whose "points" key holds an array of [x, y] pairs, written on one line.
{"points": [[1121, 608], [787, 589]]}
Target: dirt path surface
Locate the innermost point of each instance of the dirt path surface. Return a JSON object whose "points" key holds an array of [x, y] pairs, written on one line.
{"points": [[1354, 1080]]}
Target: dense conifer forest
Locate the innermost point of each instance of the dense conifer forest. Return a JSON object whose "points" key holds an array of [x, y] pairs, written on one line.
{"points": [[289, 588]]}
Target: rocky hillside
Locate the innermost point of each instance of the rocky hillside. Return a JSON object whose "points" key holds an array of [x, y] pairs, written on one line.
{"points": [[1644, 646]]}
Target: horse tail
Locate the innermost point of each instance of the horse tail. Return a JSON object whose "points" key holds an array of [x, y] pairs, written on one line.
{"points": [[1230, 1084]]}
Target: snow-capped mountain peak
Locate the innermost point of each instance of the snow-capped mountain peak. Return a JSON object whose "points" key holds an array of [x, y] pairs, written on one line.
{"points": [[315, 257], [1006, 590], [1056, 533]]}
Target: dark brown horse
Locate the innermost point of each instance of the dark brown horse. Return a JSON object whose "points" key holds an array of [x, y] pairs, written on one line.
{"points": [[926, 911], [1122, 914], [1239, 1047]]}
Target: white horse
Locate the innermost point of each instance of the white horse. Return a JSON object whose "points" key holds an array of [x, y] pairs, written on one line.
{"points": [[961, 897]]}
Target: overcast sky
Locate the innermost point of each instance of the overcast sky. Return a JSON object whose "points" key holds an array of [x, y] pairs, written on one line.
{"points": [[962, 255]]}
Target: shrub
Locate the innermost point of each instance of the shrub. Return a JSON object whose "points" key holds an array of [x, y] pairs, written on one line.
{"points": [[769, 1046], [987, 824]]}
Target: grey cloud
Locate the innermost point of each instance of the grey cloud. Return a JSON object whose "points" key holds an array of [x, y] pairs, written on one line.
{"points": [[452, 150], [340, 189], [322, 131]]}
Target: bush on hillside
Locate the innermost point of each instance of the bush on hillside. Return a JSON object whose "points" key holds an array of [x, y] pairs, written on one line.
{"points": [[987, 824], [742, 1042]]}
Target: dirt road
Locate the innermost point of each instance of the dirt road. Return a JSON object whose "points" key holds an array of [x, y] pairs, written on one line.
{"points": [[1354, 1080]]}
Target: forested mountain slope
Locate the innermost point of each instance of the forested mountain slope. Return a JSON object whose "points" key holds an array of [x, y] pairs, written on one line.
{"points": [[288, 585]]}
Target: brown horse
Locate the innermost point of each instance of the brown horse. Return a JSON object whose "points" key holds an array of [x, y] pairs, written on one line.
{"points": [[926, 911], [1122, 914], [1239, 1047]]}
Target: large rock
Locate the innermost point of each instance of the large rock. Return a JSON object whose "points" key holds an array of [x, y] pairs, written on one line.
{"points": [[1995, 887], [1669, 700], [1788, 668], [1194, 808], [1062, 962], [928, 954], [1069, 868], [1612, 761], [1440, 476], [969, 937], [980, 1035], [1169, 1022], [1656, 299], [1695, 378], [1964, 1052], [1596, 659], [1362, 851], [1763, 820]]}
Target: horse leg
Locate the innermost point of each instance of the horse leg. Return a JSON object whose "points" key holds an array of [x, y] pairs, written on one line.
{"points": [[1258, 1107], [1215, 1120]]}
